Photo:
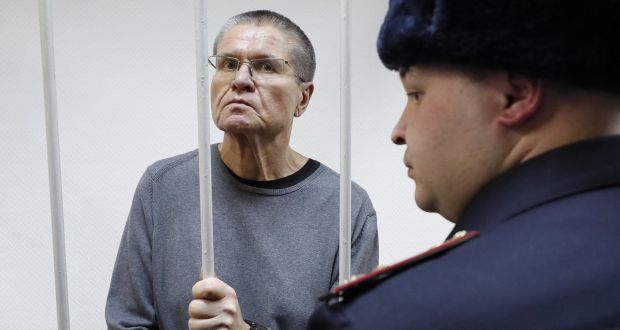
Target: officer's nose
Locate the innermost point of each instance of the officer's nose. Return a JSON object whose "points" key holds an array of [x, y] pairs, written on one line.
{"points": [[400, 130], [243, 77]]}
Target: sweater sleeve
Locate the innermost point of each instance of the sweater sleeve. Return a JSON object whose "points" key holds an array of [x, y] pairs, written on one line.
{"points": [[365, 254], [365, 241], [130, 298]]}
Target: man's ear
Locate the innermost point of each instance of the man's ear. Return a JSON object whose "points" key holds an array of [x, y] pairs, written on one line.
{"points": [[307, 89], [523, 97]]}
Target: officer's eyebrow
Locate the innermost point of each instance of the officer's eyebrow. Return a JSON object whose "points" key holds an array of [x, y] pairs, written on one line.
{"points": [[402, 72], [409, 74]]}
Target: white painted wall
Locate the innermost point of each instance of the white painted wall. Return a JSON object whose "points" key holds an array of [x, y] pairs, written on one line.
{"points": [[127, 97]]}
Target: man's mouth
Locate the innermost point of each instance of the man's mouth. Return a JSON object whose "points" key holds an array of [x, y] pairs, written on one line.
{"points": [[239, 101]]}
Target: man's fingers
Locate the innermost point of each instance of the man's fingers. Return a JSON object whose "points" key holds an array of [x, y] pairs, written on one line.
{"points": [[202, 309], [221, 321], [215, 306], [212, 289]]}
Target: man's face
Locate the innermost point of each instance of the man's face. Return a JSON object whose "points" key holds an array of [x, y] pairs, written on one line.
{"points": [[246, 106], [448, 126]]}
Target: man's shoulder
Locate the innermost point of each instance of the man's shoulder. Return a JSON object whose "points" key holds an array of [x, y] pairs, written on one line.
{"points": [[179, 164], [330, 178]]}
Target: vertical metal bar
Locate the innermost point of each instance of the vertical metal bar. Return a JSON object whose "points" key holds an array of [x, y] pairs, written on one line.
{"points": [[345, 145], [204, 152], [53, 163]]}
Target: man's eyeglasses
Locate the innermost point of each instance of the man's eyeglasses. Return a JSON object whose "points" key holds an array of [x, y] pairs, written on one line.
{"points": [[263, 69]]}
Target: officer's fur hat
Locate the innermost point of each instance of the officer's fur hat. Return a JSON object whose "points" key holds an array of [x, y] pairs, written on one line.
{"points": [[576, 42]]}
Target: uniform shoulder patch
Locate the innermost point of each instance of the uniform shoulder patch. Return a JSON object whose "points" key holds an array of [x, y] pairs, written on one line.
{"points": [[363, 282]]}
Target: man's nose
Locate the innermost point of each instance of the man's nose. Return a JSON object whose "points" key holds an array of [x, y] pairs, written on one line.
{"points": [[243, 76]]}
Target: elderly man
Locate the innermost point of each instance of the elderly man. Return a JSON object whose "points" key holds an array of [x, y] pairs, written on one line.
{"points": [[512, 130], [275, 210]]}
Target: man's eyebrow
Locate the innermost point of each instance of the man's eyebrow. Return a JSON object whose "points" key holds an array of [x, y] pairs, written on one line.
{"points": [[264, 55], [256, 56], [226, 54]]}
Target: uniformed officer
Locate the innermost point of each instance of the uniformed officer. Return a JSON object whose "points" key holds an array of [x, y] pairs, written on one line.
{"points": [[512, 127]]}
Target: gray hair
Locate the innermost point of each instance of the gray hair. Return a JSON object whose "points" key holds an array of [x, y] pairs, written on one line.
{"points": [[303, 60]]}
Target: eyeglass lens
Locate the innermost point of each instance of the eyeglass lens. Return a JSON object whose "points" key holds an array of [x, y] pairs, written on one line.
{"points": [[264, 69]]}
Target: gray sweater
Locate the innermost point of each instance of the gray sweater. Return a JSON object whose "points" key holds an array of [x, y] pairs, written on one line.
{"points": [[278, 248]]}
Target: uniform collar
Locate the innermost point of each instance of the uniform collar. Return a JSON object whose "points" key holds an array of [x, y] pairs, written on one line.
{"points": [[584, 165]]}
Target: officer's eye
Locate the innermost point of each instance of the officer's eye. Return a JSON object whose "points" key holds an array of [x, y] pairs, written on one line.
{"points": [[417, 96]]}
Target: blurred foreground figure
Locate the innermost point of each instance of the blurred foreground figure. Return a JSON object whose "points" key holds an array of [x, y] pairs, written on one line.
{"points": [[275, 211], [511, 128]]}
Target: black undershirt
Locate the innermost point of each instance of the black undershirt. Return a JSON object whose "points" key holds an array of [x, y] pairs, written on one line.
{"points": [[285, 182]]}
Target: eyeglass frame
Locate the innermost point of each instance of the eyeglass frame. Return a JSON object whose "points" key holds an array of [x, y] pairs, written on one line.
{"points": [[249, 63]]}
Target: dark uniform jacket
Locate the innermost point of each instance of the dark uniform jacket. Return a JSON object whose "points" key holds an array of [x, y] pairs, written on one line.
{"points": [[547, 256]]}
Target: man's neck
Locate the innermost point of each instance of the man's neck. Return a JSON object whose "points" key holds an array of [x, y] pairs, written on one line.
{"points": [[260, 161]]}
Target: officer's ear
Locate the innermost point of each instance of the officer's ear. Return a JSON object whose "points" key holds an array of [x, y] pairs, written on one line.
{"points": [[307, 88], [522, 99]]}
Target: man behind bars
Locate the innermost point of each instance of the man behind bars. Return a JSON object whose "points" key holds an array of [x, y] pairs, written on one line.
{"points": [[275, 211], [512, 127]]}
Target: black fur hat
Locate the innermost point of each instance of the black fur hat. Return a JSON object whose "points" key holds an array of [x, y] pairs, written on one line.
{"points": [[576, 42]]}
